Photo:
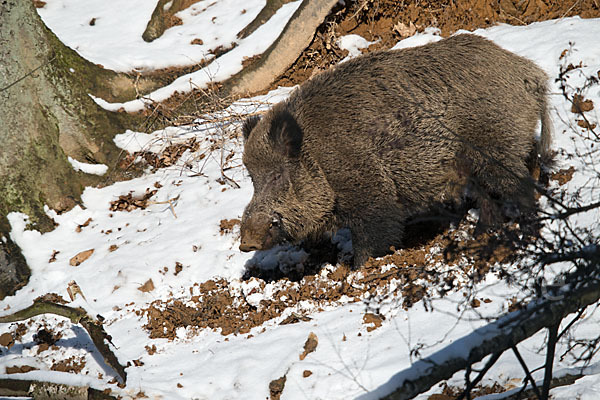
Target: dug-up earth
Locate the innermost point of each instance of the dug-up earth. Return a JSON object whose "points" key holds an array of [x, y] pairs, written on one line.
{"points": [[442, 260]]}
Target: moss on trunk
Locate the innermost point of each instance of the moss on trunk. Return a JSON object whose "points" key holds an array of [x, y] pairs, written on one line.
{"points": [[46, 115]]}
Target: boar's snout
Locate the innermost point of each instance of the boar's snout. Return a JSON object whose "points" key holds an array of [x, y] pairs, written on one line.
{"points": [[260, 231]]}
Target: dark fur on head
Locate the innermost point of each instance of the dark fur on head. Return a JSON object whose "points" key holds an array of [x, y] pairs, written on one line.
{"points": [[248, 125]]}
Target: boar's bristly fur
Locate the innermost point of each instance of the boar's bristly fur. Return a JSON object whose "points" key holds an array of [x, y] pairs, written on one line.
{"points": [[383, 137]]}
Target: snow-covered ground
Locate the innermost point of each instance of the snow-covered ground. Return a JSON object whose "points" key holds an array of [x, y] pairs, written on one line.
{"points": [[181, 227]]}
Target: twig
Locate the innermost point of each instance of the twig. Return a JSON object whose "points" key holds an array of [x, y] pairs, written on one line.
{"points": [[481, 374], [527, 373], [552, 338], [169, 202]]}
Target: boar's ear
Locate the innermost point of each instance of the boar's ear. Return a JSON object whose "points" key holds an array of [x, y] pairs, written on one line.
{"points": [[249, 124], [285, 134]]}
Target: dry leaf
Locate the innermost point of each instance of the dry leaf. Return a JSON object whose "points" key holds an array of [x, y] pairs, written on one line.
{"points": [[585, 124], [580, 105], [7, 340], [86, 223], [73, 290], [311, 345], [81, 257], [375, 319], [147, 287], [405, 31]]}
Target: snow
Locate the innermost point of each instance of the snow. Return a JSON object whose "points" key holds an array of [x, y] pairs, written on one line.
{"points": [[115, 39], [220, 69], [353, 43], [181, 225], [96, 169]]}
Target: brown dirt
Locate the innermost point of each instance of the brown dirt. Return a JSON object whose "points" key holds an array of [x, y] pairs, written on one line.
{"points": [[227, 225], [46, 337], [445, 262], [52, 298]]}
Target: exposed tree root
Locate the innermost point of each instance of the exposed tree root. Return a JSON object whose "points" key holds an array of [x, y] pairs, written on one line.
{"points": [[77, 316], [296, 36]]}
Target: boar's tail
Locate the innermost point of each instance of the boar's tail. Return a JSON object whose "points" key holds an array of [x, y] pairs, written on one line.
{"points": [[545, 143]]}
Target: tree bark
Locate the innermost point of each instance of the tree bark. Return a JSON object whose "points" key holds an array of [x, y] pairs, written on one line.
{"points": [[163, 17], [263, 16], [46, 115]]}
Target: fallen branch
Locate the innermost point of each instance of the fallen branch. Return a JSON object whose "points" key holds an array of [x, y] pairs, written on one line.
{"points": [[77, 316], [494, 338], [48, 390]]}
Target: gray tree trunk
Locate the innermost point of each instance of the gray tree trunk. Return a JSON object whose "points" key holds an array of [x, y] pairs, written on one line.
{"points": [[46, 115]]}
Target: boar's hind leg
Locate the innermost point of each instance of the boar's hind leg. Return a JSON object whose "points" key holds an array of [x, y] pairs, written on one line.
{"points": [[373, 236]]}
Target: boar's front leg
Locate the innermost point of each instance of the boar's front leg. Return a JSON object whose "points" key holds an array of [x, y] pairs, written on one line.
{"points": [[373, 235]]}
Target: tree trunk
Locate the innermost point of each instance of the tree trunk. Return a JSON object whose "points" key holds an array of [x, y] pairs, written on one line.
{"points": [[46, 115]]}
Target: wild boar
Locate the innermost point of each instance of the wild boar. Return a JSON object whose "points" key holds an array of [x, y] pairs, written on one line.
{"points": [[388, 135]]}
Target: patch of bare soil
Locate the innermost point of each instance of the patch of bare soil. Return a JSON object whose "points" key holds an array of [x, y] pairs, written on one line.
{"points": [[448, 261], [388, 21], [52, 298], [227, 225]]}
